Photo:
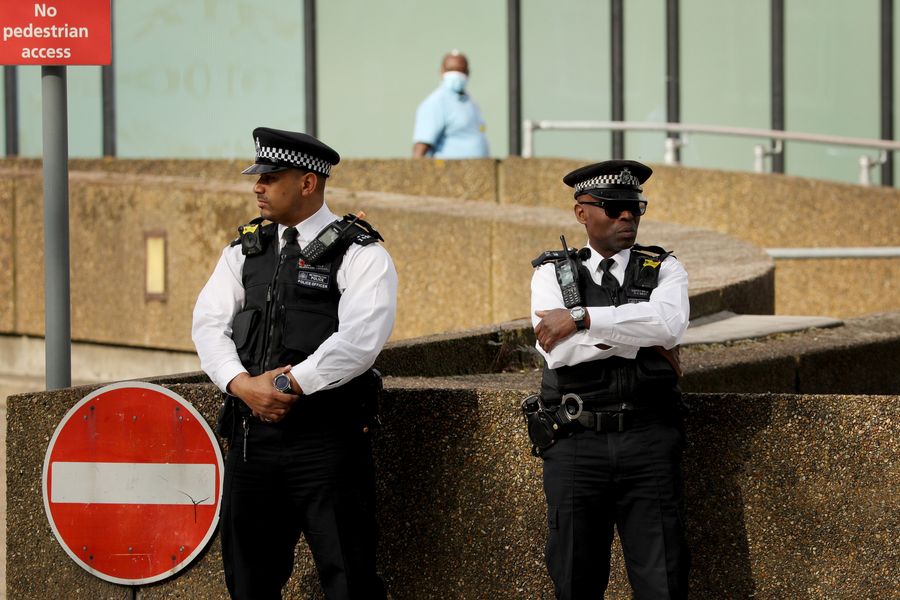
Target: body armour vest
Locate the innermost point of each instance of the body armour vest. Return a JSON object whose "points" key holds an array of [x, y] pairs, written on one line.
{"points": [[644, 380], [290, 307]]}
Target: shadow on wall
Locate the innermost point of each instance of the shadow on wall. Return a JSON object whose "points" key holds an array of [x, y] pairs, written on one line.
{"points": [[717, 532]]}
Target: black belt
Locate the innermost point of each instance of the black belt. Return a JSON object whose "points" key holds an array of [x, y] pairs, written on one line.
{"points": [[573, 411], [604, 421]]}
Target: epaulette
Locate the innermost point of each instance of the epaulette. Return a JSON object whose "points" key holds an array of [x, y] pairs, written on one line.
{"points": [[654, 253], [362, 233], [555, 256]]}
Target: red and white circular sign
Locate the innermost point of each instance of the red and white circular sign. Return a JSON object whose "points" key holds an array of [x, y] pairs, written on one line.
{"points": [[133, 483]]}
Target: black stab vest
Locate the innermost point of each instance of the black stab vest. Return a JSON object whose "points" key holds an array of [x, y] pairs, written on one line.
{"points": [[646, 380], [290, 307]]}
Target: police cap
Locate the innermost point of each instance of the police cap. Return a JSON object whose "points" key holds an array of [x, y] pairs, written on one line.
{"points": [[277, 150], [610, 180]]}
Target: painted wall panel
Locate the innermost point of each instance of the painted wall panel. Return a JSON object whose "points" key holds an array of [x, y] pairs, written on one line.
{"points": [[379, 60], [194, 77]]}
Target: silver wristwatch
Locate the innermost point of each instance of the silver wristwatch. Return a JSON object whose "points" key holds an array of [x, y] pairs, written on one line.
{"points": [[282, 383], [578, 313]]}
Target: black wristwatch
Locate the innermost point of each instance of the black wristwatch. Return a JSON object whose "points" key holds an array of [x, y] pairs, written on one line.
{"points": [[282, 383], [578, 313]]}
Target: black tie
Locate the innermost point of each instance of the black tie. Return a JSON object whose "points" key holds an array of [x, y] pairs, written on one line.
{"points": [[291, 247], [609, 281]]}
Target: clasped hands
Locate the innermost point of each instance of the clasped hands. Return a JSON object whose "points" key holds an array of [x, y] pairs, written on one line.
{"points": [[266, 403]]}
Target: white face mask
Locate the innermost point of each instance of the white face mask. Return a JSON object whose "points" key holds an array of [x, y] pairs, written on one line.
{"points": [[456, 81]]}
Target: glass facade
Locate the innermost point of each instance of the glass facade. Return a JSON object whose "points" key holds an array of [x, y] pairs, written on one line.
{"points": [[193, 77]]}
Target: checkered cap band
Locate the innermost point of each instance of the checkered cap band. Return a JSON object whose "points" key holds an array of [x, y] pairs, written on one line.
{"points": [[298, 159], [623, 178]]}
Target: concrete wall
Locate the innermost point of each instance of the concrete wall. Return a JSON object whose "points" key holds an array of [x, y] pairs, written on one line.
{"points": [[7, 258], [462, 263], [786, 493], [786, 498], [205, 198]]}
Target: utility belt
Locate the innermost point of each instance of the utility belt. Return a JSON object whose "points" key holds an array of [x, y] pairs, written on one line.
{"points": [[548, 423]]}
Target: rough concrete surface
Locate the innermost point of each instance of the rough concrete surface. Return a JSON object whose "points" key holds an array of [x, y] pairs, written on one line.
{"points": [[461, 263], [787, 497], [727, 202]]}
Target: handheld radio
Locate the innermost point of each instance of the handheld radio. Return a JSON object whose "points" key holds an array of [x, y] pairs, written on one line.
{"points": [[320, 248], [567, 276]]}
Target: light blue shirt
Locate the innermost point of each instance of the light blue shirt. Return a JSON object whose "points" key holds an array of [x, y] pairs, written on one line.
{"points": [[451, 124]]}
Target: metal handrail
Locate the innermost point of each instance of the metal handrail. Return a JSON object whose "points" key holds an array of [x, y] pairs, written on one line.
{"points": [[529, 126], [835, 252]]}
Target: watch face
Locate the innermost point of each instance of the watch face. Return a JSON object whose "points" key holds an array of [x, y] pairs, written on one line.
{"points": [[282, 383], [577, 313]]}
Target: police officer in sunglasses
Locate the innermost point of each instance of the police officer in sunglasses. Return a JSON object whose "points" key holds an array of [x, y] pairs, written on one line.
{"points": [[608, 319]]}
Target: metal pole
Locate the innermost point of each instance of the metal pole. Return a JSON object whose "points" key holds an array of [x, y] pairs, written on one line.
{"points": [[108, 91], [617, 45], [673, 84], [57, 327], [11, 104], [777, 68], [887, 86], [836, 252], [814, 138], [310, 74], [527, 138], [514, 54]]}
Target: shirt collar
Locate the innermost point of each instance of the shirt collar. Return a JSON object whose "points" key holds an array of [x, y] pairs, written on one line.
{"points": [[309, 228], [621, 258]]}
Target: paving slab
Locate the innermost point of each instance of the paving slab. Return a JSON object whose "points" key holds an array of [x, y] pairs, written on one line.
{"points": [[726, 326]]}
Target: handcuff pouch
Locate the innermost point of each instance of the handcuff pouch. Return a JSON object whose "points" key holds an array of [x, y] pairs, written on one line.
{"points": [[542, 427]]}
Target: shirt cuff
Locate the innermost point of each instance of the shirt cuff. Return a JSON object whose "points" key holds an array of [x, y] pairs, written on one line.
{"points": [[227, 372], [602, 319], [307, 378]]}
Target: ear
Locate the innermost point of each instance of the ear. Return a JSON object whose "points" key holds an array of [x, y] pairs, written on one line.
{"points": [[579, 213], [308, 183]]}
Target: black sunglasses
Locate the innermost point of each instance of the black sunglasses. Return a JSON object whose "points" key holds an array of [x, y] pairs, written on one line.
{"points": [[615, 208]]}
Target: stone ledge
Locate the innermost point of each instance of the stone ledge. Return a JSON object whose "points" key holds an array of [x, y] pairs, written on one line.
{"points": [[770, 509], [860, 357]]}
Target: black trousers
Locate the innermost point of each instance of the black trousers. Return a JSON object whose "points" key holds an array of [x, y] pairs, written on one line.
{"points": [[629, 480], [299, 477]]}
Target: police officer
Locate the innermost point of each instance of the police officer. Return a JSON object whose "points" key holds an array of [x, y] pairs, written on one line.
{"points": [[610, 384], [288, 326]]}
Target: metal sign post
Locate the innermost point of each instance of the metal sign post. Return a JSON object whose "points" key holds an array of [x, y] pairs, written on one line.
{"points": [[54, 34], [57, 321]]}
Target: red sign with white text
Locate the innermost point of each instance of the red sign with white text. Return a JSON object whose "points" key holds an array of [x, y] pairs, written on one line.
{"points": [[132, 483], [55, 32]]}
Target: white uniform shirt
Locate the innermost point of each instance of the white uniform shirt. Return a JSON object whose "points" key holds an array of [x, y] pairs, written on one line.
{"points": [[367, 308], [661, 321]]}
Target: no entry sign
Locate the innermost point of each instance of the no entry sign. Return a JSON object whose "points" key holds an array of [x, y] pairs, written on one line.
{"points": [[132, 483]]}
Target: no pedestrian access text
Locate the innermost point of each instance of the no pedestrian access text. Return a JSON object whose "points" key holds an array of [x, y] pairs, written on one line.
{"points": [[59, 33]]}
